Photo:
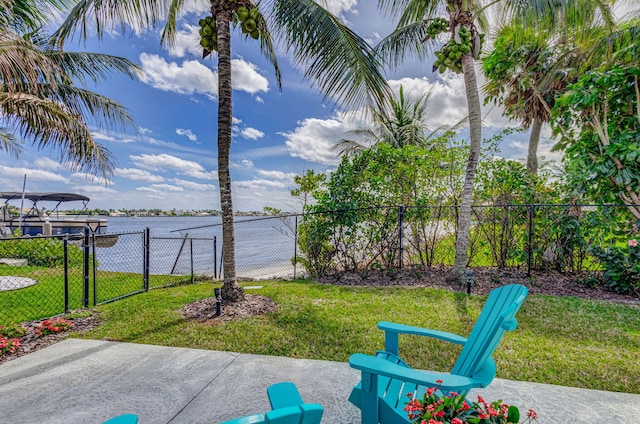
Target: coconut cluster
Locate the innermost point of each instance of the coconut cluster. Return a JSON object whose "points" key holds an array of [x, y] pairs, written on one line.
{"points": [[208, 34], [437, 26], [462, 42], [248, 18], [246, 15]]}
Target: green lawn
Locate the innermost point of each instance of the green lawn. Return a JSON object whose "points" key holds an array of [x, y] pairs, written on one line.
{"points": [[566, 341], [46, 298]]}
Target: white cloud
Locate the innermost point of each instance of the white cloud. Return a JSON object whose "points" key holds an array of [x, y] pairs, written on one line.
{"points": [[167, 187], [236, 121], [193, 185], [181, 166], [246, 77], [188, 78], [260, 183], [47, 163], [32, 174], [187, 133], [97, 180], [138, 175], [192, 77], [339, 7], [187, 42], [93, 189], [252, 133], [277, 174], [313, 138], [259, 99], [106, 137]]}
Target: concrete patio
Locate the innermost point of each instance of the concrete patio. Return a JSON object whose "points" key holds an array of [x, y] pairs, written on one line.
{"points": [[88, 381]]}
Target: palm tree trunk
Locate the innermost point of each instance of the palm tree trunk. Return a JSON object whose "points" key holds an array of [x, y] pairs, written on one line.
{"points": [[458, 273], [534, 140], [231, 292]]}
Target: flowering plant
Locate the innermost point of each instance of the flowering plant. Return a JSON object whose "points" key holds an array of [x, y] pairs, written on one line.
{"points": [[8, 345], [453, 408], [12, 331], [52, 326]]}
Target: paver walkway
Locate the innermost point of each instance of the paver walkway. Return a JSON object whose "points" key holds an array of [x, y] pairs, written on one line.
{"points": [[88, 381]]}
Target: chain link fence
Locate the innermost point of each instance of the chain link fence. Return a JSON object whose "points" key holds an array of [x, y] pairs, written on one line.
{"points": [[524, 237], [48, 276]]}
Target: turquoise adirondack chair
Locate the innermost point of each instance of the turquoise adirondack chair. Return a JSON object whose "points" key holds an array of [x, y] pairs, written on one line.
{"points": [[386, 379], [287, 408], [123, 419]]}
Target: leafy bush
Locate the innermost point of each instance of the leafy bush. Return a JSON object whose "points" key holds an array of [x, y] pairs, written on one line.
{"points": [[621, 266], [39, 251]]}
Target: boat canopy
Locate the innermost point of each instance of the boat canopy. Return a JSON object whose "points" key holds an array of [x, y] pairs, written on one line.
{"points": [[36, 197]]}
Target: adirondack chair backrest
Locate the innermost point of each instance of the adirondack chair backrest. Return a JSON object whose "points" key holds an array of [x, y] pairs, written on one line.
{"points": [[497, 317]]}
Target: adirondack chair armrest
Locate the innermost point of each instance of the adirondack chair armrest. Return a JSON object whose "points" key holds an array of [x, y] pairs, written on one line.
{"points": [[392, 329], [284, 394], [378, 366], [250, 419]]}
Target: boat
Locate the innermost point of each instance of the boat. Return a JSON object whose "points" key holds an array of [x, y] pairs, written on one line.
{"points": [[54, 222]]}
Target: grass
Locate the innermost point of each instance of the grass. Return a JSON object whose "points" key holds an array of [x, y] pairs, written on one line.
{"points": [[46, 298], [565, 341]]}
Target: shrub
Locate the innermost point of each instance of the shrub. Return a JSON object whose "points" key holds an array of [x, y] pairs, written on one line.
{"points": [[40, 251], [621, 266]]}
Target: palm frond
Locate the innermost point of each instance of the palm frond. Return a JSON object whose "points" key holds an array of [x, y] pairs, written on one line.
{"points": [[84, 66], [104, 112], [169, 31], [9, 144], [348, 147], [22, 63], [267, 48], [102, 15], [49, 124], [335, 59], [409, 10], [403, 43]]}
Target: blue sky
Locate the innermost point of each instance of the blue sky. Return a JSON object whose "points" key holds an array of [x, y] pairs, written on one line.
{"points": [[171, 161]]}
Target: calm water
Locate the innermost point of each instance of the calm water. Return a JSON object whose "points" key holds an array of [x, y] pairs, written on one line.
{"points": [[263, 247]]}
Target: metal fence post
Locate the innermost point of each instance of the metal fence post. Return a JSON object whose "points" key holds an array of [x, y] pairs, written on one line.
{"points": [[530, 247], [191, 255], [65, 250], [400, 232], [93, 268], [85, 267], [295, 247], [215, 257], [145, 261]]}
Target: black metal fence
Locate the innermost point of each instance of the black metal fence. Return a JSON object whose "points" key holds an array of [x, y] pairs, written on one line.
{"points": [[67, 273], [523, 237], [48, 276]]}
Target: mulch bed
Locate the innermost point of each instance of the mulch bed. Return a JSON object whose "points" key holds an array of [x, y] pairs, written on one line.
{"points": [[30, 342], [204, 310], [484, 280]]}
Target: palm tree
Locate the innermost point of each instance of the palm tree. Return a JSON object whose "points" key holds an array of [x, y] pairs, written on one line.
{"points": [[403, 122], [528, 68], [39, 97], [462, 21], [335, 58]]}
